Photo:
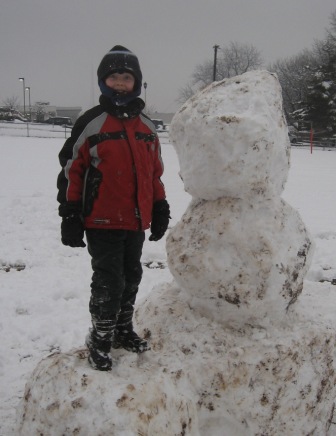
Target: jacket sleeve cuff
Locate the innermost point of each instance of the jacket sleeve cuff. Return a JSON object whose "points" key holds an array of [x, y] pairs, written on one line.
{"points": [[70, 208]]}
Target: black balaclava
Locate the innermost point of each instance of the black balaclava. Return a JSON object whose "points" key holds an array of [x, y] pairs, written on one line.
{"points": [[119, 59]]}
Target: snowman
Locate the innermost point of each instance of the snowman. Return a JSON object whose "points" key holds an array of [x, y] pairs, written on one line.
{"points": [[240, 250]]}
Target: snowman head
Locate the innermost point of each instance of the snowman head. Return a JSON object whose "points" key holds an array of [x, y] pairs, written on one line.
{"points": [[232, 139]]}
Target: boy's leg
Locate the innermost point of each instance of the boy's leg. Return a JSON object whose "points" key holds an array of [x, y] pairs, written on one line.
{"points": [[106, 248], [133, 275], [124, 335]]}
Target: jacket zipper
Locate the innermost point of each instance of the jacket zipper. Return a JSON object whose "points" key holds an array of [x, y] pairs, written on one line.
{"points": [[137, 209]]}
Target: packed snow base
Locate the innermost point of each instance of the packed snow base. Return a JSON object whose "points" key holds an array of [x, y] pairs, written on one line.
{"points": [[245, 376], [198, 376]]}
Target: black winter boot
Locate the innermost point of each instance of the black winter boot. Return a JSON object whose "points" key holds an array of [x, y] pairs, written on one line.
{"points": [[124, 335], [99, 342], [130, 341]]}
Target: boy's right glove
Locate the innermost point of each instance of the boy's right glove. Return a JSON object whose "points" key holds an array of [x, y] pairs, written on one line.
{"points": [[72, 228], [72, 231], [160, 219]]}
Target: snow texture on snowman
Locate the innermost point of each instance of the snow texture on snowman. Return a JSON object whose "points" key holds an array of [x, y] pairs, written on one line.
{"points": [[231, 352]]}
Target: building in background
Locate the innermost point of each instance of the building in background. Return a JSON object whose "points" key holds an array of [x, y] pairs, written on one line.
{"points": [[41, 111]]}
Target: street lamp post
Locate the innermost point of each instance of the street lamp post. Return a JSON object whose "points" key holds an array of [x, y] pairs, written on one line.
{"points": [[24, 95], [145, 87], [215, 47], [28, 89]]}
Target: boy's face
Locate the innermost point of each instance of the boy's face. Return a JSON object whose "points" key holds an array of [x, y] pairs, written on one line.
{"points": [[120, 82]]}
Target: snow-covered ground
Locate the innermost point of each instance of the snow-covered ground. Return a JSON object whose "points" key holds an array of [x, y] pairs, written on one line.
{"points": [[44, 286]]}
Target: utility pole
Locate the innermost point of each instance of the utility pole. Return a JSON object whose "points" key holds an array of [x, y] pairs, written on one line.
{"points": [[215, 47]]}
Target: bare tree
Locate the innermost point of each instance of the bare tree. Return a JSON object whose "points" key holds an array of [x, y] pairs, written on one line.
{"points": [[11, 103], [234, 59], [331, 31], [202, 74], [325, 50], [237, 59], [185, 93]]}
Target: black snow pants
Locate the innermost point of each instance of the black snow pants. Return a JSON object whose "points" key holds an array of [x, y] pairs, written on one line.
{"points": [[117, 270]]}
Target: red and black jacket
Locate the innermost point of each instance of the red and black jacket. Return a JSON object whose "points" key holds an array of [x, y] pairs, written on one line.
{"points": [[112, 166]]}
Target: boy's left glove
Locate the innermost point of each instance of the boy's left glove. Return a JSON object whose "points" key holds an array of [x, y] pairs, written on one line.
{"points": [[160, 220]]}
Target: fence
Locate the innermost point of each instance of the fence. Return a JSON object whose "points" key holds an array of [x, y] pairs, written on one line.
{"points": [[8, 128], [319, 140]]}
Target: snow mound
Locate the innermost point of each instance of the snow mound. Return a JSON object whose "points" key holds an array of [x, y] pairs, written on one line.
{"points": [[199, 379], [66, 397]]}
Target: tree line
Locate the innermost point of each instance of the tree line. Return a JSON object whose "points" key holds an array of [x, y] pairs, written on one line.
{"points": [[308, 79]]}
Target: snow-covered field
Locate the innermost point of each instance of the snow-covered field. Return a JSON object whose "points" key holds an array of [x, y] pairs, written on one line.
{"points": [[44, 286]]}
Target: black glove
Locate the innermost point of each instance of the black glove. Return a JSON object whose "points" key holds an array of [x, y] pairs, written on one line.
{"points": [[160, 220], [72, 231]]}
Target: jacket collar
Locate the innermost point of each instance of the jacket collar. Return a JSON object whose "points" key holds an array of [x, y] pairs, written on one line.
{"points": [[129, 110]]}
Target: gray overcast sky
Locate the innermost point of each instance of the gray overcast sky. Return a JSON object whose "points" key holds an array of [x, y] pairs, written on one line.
{"points": [[56, 45]]}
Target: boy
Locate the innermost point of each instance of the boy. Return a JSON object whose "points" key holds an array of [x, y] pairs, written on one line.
{"points": [[110, 187]]}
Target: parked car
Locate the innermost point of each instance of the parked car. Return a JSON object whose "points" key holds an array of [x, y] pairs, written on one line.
{"points": [[292, 133], [59, 121], [159, 125], [292, 137]]}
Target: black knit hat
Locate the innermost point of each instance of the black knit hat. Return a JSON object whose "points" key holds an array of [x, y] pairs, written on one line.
{"points": [[119, 58]]}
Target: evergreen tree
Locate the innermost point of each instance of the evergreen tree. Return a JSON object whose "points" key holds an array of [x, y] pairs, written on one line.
{"points": [[321, 95], [319, 107]]}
